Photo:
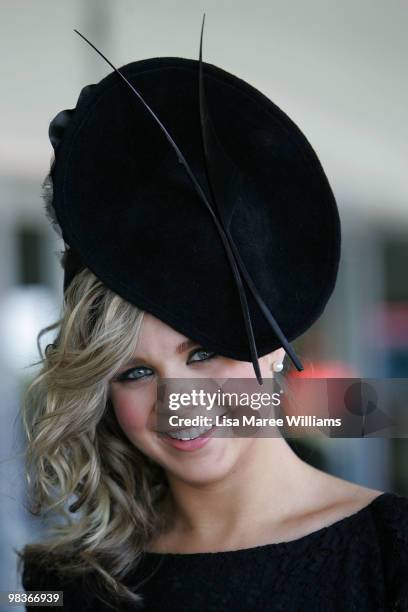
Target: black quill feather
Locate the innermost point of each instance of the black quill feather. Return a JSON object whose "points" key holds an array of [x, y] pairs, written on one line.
{"points": [[224, 183]]}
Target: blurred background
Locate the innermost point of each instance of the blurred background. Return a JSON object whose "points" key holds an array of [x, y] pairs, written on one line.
{"points": [[337, 69]]}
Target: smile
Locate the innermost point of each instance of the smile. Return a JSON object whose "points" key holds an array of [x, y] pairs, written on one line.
{"points": [[189, 440], [189, 434]]}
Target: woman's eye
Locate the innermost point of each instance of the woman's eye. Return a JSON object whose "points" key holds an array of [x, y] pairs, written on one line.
{"points": [[203, 355], [135, 374], [143, 372]]}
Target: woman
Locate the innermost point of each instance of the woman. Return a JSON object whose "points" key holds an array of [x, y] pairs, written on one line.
{"points": [[191, 220]]}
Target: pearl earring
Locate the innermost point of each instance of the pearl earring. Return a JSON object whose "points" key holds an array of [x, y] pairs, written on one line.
{"points": [[277, 367]]}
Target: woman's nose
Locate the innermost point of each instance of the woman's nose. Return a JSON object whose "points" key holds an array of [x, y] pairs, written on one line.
{"points": [[185, 397]]}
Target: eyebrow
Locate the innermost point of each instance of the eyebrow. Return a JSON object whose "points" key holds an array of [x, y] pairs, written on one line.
{"points": [[180, 348], [186, 344]]}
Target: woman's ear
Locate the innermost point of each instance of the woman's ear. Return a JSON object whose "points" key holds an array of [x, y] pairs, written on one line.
{"points": [[270, 359], [275, 358]]}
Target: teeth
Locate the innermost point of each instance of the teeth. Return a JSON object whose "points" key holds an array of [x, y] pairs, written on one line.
{"points": [[188, 434]]}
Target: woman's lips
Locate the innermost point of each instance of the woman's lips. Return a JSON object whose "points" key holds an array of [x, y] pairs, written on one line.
{"points": [[189, 445]]}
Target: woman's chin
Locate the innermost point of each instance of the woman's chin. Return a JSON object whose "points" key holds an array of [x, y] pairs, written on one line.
{"points": [[200, 476], [197, 464]]}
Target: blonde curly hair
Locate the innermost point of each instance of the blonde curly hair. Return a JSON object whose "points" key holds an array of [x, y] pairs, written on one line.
{"points": [[104, 496]]}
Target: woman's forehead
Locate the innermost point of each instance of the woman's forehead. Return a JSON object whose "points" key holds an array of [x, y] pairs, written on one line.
{"points": [[155, 334]]}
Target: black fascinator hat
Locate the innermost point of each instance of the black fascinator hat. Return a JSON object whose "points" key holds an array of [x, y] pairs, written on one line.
{"points": [[193, 196]]}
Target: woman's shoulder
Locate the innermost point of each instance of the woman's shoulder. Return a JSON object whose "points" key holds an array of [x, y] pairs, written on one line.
{"points": [[389, 518], [391, 509], [347, 499], [82, 592], [44, 576], [40, 576], [390, 515]]}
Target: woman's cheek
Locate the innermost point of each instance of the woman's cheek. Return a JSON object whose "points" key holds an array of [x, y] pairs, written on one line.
{"points": [[132, 410], [228, 368]]}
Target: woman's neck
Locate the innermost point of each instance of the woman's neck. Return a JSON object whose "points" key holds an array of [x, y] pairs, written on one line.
{"points": [[264, 488]]}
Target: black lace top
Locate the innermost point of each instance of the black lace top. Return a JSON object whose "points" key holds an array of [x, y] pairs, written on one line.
{"points": [[357, 564]]}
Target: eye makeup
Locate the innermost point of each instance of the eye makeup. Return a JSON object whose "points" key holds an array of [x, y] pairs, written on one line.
{"points": [[128, 375]]}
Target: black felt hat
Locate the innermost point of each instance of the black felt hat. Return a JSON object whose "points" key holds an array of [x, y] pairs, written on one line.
{"points": [[193, 196]]}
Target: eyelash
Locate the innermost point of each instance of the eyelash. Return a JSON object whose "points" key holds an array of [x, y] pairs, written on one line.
{"points": [[124, 377]]}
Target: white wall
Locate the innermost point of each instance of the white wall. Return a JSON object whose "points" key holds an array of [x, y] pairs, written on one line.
{"points": [[337, 68]]}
